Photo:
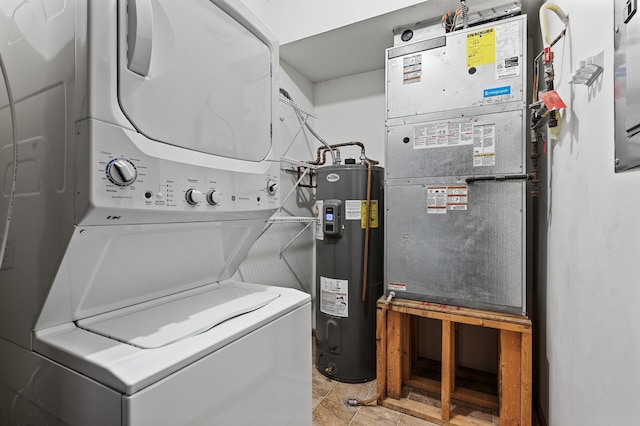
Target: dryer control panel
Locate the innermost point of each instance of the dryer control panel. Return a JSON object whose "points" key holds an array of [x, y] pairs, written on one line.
{"points": [[133, 177]]}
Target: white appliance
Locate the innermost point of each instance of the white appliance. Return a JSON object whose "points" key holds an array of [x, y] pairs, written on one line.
{"points": [[147, 169]]}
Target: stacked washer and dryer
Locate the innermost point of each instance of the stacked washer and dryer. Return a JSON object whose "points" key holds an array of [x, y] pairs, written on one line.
{"points": [[147, 169]]}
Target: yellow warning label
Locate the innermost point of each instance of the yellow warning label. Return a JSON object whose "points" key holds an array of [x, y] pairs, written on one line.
{"points": [[373, 214], [481, 47]]}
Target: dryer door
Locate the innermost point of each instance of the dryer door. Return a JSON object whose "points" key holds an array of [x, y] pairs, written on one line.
{"points": [[191, 75]]}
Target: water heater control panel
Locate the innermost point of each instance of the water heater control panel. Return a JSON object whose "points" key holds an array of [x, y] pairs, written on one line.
{"points": [[332, 218]]}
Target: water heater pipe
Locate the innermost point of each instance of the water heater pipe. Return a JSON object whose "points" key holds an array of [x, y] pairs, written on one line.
{"points": [[544, 28], [365, 266]]}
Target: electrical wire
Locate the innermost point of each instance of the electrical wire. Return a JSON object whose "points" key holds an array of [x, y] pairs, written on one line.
{"points": [[14, 174]]}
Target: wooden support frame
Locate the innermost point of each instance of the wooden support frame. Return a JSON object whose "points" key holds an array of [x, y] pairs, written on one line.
{"points": [[397, 319]]}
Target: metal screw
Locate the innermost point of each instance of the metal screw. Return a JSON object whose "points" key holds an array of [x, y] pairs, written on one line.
{"points": [[83, 231], [617, 161]]}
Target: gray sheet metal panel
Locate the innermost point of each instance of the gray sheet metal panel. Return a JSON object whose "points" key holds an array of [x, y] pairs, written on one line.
{"points": [[407, 158], [443, 78], [474, 257]]}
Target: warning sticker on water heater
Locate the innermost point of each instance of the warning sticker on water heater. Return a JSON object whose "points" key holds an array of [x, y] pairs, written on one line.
{"points": [[319, 220], [373, 214], [352, 209], [334, 297]]}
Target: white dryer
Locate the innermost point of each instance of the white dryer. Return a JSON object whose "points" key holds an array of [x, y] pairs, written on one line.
{"points": [[147, 169]]}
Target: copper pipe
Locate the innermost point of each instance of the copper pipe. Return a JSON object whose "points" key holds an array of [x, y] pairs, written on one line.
{"points": [[366, 232]]}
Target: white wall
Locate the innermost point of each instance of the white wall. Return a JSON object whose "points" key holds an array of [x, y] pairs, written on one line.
{"points": [[352, 109], [293, 20], [593, 329], [294, 267]]}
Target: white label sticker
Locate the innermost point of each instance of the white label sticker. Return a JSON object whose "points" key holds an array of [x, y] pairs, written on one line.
{"points": [[437, 200], [441, 199], [397, 286], [412, 69], [334, 297], [352, 209], [319, 220], [457, 197], [443, 133], [484, 145], [508, 61]]}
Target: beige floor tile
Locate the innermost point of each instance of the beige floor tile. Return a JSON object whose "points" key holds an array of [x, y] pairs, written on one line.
{"points": [[331, 413], [342, 391], [321, 384]]}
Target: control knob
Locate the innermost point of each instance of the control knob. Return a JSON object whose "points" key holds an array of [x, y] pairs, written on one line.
{"points": [[121, 172], [272, 187], [213, 197], [193, 196]]}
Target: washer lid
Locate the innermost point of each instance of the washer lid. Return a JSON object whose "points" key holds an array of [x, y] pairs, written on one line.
{"points": [[193, 76], [159, 323]]}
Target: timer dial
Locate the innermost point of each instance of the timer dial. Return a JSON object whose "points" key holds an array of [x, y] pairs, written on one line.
{"points": [[121, 172]]}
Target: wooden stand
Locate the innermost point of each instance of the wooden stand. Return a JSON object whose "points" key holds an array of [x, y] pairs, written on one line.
{"points": [[395, 358]]}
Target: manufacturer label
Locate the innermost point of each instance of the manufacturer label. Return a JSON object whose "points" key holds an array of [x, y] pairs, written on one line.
{"points": [[497, 91], [334, 297], [508, 50], [333, 177]]}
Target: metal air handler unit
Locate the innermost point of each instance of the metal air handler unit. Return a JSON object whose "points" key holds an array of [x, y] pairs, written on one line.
{"points": [[345, 314], [456, 156]]}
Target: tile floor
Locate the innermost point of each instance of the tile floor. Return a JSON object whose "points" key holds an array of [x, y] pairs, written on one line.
{"points": [[329, 408]]}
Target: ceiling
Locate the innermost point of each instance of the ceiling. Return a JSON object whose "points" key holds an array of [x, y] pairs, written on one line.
{"points": [[360, 47]]}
